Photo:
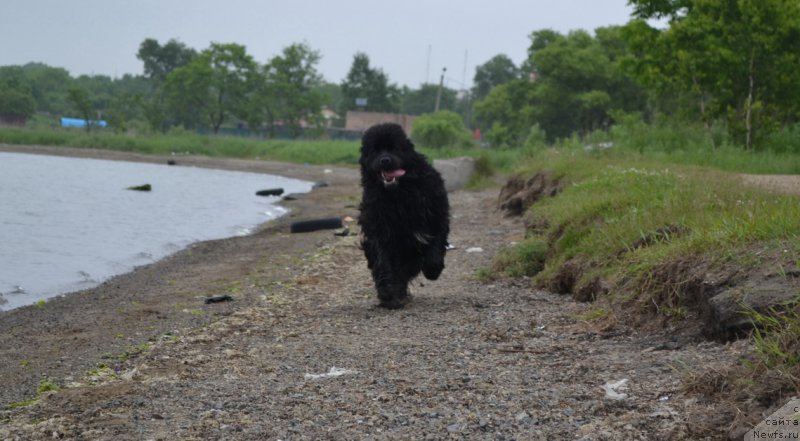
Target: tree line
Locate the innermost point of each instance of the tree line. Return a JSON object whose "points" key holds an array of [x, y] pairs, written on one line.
{"points": [[724, 65], [729, 65], [220, 85]]}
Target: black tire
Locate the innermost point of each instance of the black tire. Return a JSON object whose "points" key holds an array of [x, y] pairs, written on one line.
{"points": [[329, 223], [270, 192]]}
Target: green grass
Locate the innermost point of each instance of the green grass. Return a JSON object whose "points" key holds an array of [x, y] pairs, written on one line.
{"points": [[691, 144], [625, 217], [295, 151], [44, 387]]}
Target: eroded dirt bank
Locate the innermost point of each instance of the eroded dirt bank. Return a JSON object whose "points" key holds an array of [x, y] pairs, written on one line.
{"points": [[465, 360]]}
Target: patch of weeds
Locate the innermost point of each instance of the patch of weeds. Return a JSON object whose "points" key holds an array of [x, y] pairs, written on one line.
{"points": [[524, 259], [99, 374], [47, 386], [777, 336], [40, 304], [481, 174], [24, 403], [234, 287], [24, 363], [592, 314], [484, 275], [119, 336], [131, 351]]}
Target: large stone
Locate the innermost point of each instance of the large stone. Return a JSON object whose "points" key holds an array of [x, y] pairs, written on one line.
{"points": [[725, 316], [456, 172]]}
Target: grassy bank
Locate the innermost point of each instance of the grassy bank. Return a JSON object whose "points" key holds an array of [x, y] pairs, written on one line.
{"points": [[625, 218], [298, 151], [649, 242]]}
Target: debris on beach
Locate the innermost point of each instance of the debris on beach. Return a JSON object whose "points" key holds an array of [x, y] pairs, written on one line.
{"points": [[219, 299], [332, 372], [270, 192], [612, 390], [144, 187]]}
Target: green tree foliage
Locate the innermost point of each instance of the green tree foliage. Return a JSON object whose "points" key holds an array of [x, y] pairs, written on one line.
{"points": [[49, 86], [734, 60], [16, 95], [575, 83], [507, 113], [78, 97], [423, 100], [441, 129], [213, 86], [159, 61], [498, 70], [292, 88], [363, 81]]}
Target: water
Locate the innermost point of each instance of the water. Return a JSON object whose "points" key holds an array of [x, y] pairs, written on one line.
{"points": [[67, 224]]}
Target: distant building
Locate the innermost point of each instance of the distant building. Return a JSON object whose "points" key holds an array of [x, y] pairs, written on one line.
{"points": [[329, 116], [12, 120], [361, 121]]}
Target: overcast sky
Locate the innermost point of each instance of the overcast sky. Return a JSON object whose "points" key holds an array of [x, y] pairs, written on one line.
{"points": [[411, 40]]}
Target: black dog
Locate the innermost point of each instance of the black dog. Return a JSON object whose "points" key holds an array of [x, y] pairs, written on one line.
{"points": [[405, 214]]}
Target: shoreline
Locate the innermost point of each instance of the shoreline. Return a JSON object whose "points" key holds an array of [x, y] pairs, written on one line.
{"points": [[71, 333]]}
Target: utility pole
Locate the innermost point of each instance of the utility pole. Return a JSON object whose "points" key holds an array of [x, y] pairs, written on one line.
{"points": [[439, 93]]}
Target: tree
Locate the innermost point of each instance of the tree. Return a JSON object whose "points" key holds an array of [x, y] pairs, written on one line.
{"points": [[423, 100], [507, 113], [159, 61], [292, 88], [49, 86], [16, 96], [498, 70], [577, 82], [213, 86], [736, 59], [363, 81], [82, 105], [441, 129]]}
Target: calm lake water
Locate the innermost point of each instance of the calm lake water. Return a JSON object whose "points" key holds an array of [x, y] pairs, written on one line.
{"points": [[67, 224]]}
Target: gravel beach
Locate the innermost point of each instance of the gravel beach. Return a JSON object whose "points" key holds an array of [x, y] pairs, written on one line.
{"points": [[302, 351]]}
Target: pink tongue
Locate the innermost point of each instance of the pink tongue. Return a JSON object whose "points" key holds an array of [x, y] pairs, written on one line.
{"points": [[394, 173]]}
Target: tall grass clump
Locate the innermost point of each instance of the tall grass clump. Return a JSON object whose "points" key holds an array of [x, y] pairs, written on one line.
{"points": [[677, 142], [777, 336]]}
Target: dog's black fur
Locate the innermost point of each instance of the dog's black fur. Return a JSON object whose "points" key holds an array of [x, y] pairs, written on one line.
{"points": [[405, 214]]}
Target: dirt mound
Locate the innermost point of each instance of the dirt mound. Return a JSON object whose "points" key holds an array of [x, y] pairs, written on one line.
{"points": [[518, 194]]}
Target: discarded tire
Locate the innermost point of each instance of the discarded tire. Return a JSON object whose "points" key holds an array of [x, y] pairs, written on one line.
{"points": [[329, 223], [145, 187], [218, 299], [270, 192]]}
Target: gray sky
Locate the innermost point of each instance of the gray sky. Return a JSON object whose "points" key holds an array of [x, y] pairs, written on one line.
{"points": [[103, 36]]}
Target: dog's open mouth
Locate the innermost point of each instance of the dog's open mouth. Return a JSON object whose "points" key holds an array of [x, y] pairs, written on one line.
{"points": [[390, 176]]}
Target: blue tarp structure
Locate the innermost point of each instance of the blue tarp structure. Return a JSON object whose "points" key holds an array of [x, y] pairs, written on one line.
{"points": [[77, 122]]}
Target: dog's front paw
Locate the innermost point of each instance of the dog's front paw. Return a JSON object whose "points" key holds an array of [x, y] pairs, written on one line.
{"points": [[393, 296]]}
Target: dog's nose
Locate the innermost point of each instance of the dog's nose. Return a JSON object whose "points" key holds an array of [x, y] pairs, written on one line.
{"points": [[385, 161]]}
